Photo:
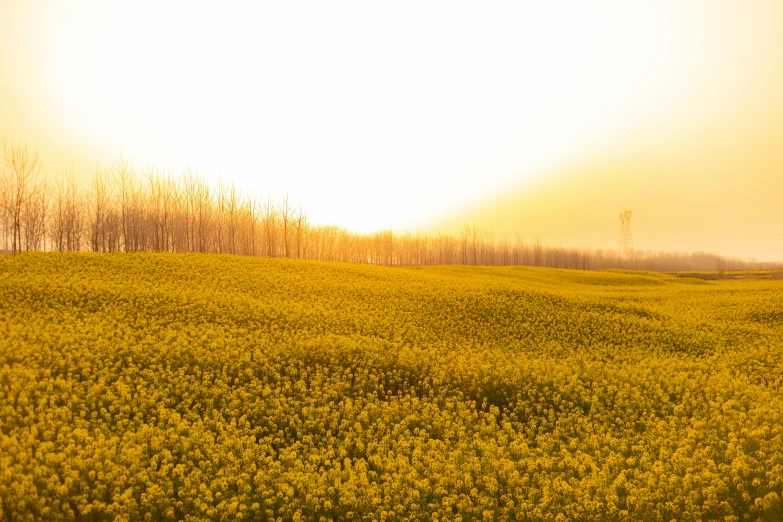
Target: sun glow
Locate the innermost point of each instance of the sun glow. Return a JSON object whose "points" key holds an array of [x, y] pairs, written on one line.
{"points": [[371, 116]]}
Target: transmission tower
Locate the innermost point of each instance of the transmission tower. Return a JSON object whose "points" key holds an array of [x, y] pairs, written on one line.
{"points": [[626, 238]]}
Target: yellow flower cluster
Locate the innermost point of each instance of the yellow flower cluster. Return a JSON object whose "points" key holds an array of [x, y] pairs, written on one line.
{"points": [[206, 387]]}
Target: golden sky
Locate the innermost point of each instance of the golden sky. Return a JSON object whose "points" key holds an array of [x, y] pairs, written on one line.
{"points": [[532, 117]]}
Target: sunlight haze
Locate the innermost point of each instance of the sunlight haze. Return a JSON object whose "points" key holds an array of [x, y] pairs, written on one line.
{"points": [[531, 118]]}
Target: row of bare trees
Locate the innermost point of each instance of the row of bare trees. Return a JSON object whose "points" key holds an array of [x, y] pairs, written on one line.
{"points": [[122, 210]]}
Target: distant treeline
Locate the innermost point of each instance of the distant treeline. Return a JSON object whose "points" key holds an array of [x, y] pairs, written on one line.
{"points": [[122, 210]]}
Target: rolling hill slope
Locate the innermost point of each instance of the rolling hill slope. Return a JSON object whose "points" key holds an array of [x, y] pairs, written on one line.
{"points": [[192, 387]]}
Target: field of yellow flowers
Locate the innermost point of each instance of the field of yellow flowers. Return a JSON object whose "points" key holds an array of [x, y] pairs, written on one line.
{"points": [[205, 387]]}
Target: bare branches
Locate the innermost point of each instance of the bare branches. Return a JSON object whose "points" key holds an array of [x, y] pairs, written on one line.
{"points": [[269, 223], [5, 208], [286, 214], [123, 177], [100, 210], [24, 201]]}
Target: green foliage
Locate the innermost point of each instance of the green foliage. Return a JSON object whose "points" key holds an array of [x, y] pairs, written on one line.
{"points": [[202, 387]]}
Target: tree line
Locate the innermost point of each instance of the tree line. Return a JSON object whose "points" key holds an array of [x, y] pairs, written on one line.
{"points": [[121, 209]]}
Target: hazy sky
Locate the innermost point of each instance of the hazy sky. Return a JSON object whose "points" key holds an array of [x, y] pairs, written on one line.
{"points": [[544, 118]]}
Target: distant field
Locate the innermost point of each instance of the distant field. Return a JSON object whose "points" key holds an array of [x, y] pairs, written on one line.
{"points": [[735, 274], [205, 387]]}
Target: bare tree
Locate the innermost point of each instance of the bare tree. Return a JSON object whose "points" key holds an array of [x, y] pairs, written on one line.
{"points": [[74, 214], [23, 170], [220, 216], [34, 218], [269, 222], [170, 200], [538, 251], [233, 200], [123, 172], [99, 202], [301, 226], [254, 219], [58, 214], [190, 186], [286, 214], [155, 203], [5, 206]]}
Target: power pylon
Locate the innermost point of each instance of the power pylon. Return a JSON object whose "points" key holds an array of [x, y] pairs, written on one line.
{"points": [[626, 237]]}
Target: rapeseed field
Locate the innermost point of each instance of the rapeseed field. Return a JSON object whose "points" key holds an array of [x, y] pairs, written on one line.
{"points": [[206, 387]]}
